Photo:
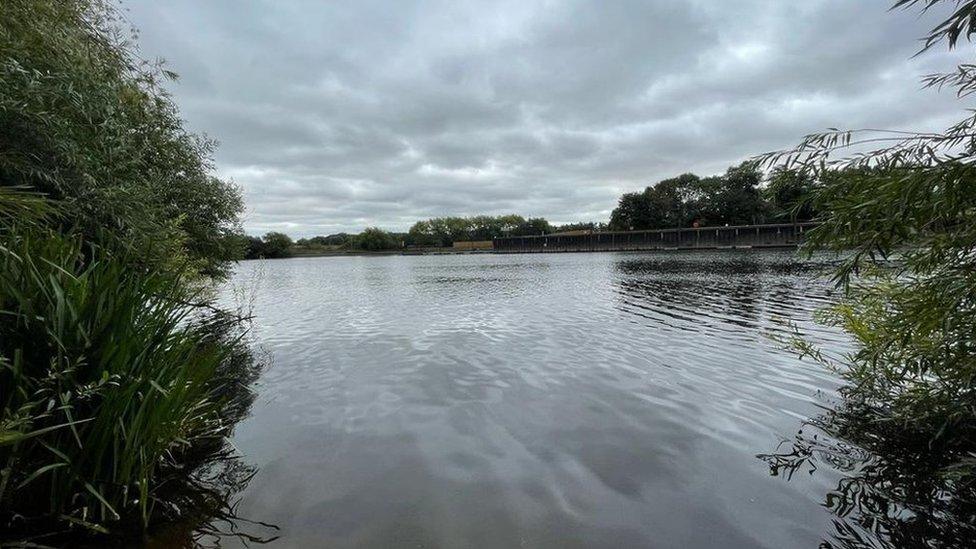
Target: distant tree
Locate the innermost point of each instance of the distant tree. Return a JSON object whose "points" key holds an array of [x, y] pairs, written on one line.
{"points": [[444, 231], [732, 199], [738, 201], [375, 239], [254, 248], [669, 203], [338, 239], [581, 226], [276, 245], [630, 213], [789, 194], [532, 226]]}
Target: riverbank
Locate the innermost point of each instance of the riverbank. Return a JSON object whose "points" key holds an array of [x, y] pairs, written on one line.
{"points": [[346, 253]]}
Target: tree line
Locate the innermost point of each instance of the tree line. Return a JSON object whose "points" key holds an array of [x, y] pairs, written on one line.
{"points": [[438, 232], [743, 195]]}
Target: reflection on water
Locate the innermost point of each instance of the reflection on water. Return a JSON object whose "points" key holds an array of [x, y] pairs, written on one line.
{"points": [[558, 400], [896, 490], [199, 499]]}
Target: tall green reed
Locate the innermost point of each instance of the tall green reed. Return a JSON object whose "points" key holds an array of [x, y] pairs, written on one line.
{"points": [[110, 380]]}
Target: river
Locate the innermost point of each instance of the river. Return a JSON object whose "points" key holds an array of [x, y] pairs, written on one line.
{"points": [[544, 400]]}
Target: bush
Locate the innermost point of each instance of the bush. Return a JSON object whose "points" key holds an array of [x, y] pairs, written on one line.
{"points": [[272, 246]]}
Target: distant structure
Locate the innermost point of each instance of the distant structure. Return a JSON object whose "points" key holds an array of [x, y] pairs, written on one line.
{"points": [[785, 235], [472, 245]]}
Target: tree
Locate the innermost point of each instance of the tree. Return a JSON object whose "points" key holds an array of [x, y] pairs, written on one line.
{"points": [[630, 213], [277, 245], [444, 231], [162, 202], [120, 381], [532, 226], [912, 197], [789, 195], [731, 199], [375, 239], [581, 226], [338, 239], [254, 248], [669, 201], [738, 201]]}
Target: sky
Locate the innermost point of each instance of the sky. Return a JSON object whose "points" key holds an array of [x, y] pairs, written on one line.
{"points": [[335, 116]]}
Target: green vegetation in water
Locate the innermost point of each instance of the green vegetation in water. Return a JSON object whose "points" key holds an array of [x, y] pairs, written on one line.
{"points": [[119, 380], [905, 431]]}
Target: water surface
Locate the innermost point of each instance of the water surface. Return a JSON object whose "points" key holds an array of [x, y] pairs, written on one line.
{"points": [[555, 400]]}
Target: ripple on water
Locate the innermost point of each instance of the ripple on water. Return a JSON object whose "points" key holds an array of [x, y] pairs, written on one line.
{"points": [[550, 400]]}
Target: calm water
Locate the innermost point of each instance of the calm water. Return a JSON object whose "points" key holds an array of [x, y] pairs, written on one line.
{"points": [[559, 400]]}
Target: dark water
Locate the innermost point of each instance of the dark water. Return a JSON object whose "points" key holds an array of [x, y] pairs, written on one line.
{"points": [[559, 400]]}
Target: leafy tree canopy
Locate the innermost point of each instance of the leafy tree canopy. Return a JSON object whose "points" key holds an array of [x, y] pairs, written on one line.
{"points": [[85, 121], [731, 199]]}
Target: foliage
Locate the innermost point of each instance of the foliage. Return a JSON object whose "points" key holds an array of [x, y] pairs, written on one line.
{"points": [[338, 239], [581, 226], [277, 244], [375, 239], [110, 380], [904, 214], [119, 382], [896, 489], [788, 194], [730, 199], [443, 231], [85, 121], [273, 245]]}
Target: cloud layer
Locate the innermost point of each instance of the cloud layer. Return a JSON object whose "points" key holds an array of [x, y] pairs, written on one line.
{"points": [[334, 116]]}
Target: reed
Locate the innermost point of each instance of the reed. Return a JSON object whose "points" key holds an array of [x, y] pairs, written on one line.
{"points": [[110, 379]]}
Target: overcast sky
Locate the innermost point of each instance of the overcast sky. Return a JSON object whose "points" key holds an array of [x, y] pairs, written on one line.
{"points": [[334, 116]]}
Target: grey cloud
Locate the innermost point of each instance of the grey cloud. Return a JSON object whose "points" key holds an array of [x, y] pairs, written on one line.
{"points": [[334, 116]]}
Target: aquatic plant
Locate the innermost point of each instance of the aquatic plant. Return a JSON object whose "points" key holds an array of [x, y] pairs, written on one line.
{"points": [[113, 386], [895, 489]]}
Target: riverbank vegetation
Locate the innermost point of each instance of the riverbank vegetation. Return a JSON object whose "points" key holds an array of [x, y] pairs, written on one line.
{"points": [[910, 401], [744, 195], [119, 378], [273, 245]]}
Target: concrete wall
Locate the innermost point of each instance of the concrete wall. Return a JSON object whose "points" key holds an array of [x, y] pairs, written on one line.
{"points": [[745, 236]]}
